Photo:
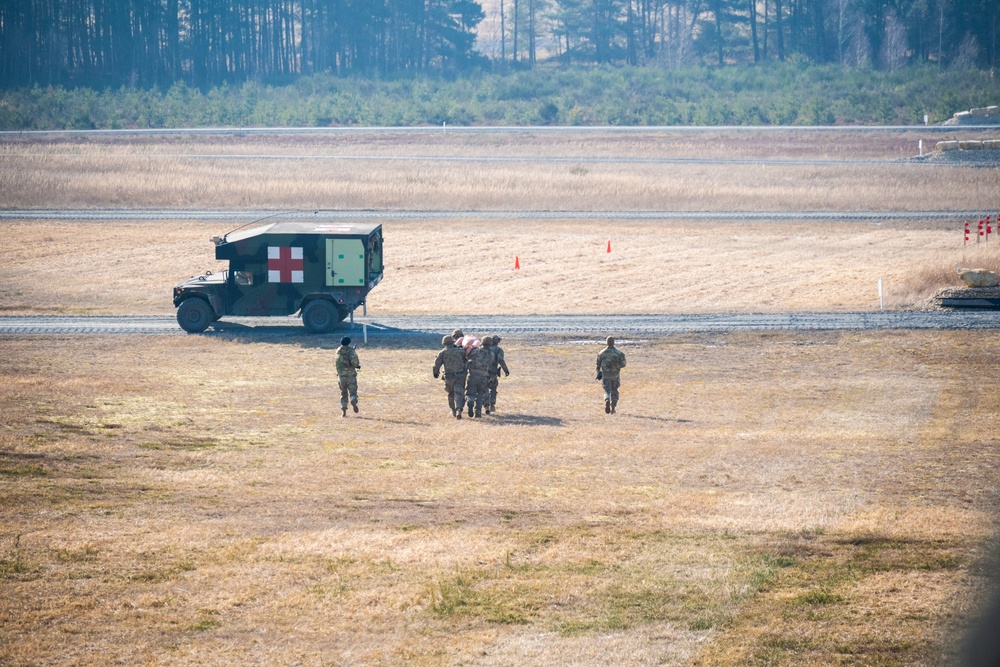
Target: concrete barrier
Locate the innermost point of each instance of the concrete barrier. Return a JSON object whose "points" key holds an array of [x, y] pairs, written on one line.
{"points": [[979, 115], [979, 277], [970, 145], [947, 145]]}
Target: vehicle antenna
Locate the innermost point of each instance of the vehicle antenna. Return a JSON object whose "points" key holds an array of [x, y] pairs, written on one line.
{"points": [[266, 217]]}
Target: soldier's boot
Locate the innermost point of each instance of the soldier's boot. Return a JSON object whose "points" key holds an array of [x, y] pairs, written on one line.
{"points": [[343, 409], [487, 406], [607, 406], [458, 414], [470, 408], [613, 408], [479, 411], [354, 404]]}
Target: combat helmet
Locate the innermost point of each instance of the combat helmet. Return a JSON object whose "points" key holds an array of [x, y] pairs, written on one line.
{"points": [[447, 340], [495, 339], [610, 341], [457, 333]]}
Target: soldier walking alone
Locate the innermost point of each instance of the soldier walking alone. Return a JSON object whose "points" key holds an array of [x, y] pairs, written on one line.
{"points": [[610, 362], [455, 368], [347, 370], [495, 368]]}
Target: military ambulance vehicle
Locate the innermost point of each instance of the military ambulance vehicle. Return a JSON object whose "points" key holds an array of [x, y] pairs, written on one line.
{"points": [[323, 271]]}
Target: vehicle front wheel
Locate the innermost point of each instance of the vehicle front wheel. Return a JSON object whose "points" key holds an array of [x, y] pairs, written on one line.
{"points": [[194, 315], [320, 316]]}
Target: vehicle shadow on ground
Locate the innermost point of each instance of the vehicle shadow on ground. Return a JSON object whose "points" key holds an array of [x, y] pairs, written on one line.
{"points": [[296, 334]]}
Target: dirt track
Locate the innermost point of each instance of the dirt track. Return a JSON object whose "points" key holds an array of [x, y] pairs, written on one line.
{"points": [[520, 326]]}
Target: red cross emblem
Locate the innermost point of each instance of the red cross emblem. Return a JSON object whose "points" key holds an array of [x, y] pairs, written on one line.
{"points": [[284, 264]]}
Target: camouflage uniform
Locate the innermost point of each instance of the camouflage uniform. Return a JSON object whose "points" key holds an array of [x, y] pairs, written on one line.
{"points": [[477, 391], [455, 368], [495, 368], [347, 370], [609, 364]]}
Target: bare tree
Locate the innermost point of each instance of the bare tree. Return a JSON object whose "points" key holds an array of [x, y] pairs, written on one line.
{"points": [[968, 52], [894, 47]]}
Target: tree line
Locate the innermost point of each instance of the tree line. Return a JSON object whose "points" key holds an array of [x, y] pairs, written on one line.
{"points": [[883, 34], [207, 43]]}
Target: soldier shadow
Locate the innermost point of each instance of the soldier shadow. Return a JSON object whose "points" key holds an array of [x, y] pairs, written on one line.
{"points": [[400, 422], [293, 333], [526, 420], [662, 419]]}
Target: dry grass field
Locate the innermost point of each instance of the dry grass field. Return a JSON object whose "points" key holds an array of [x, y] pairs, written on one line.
{"points": [[779, 499], [815, 498], [380, 171], [654, 267]]}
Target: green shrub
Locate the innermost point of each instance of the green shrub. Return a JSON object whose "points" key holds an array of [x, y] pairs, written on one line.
{"points": [[770, 94]]}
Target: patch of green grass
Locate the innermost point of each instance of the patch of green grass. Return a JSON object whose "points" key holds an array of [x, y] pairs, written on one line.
{"points": [[882, 554], [575, 596], [65, 426], [13, 562], [85, 553], [185, 443], [24, 470], [702, 623], [818, 596], [825, 575], [156, 576], [502, 601], [206, 624]]}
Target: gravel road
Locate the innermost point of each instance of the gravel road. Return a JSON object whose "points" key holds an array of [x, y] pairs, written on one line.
{"points": [[141, 215], [513, 129], [516, 326]]}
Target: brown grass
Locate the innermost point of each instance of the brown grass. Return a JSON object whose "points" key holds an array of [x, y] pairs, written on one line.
{"points": [[781, 499], [654, 267], [760, 498], [348, 172]]}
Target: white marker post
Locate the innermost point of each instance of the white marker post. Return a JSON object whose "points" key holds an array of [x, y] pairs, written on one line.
{"points": [[881, 305], [364, 329]]}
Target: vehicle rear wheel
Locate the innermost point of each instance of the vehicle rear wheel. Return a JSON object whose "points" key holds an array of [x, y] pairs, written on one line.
{"points": [[194, 315], [320, 316]]}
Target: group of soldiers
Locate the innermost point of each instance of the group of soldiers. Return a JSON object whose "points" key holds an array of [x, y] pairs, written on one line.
{"points": [[471, 372], [472, 368]]}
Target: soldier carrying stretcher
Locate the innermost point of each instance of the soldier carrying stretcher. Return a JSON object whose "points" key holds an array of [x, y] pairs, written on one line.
{"points": [[455, 369]]}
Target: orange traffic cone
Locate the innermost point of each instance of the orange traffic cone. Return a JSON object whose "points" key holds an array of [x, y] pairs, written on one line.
{"points": [[517, 262], [609, 246]]}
